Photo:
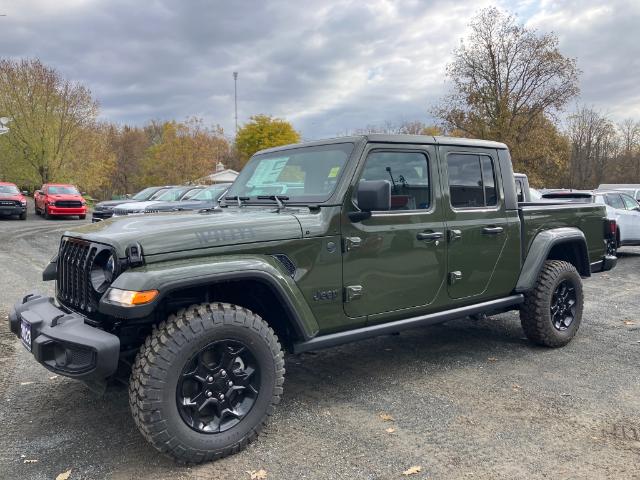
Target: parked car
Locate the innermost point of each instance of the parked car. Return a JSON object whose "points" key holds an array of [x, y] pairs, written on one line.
{"points": [[523, 191], [170, 195], [622, 208], [104, 210], [632, 189], [59, 199], [12, 201], [387, 232], [205, 198]]}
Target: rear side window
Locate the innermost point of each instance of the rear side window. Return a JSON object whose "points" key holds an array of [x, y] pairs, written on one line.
{"points": [[614, 200], [629, 202], [471, 181], [408, 173]]}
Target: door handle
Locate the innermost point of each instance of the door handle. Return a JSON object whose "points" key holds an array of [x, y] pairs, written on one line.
{"points": [[429, 236], [492, 230]]}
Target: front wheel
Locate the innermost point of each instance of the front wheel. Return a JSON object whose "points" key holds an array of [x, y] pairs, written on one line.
{"points": [[82, 217], [552, 311], [205, 382], [47, 216], [23, 216]]}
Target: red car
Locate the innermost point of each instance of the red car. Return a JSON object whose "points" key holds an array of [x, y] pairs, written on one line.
{"points": [[12, 201], [56, 199]]}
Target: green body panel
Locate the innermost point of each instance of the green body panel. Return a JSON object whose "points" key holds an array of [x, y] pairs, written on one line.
{"points": [[400, 276]]}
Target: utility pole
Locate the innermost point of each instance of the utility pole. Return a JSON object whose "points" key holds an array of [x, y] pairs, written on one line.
{"points": [[235, 97]]}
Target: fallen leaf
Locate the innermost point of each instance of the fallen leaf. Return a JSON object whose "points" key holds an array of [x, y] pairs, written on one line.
{"points": [[516, 387], [26, 383], [412, 470], [257, 474], [53, 378], [629, 322], [390, 430], [386, 417], [565, 394], [64, 475], [492, 359], [30, 460]]}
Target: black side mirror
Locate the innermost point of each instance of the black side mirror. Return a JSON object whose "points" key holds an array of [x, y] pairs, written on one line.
{"points": [[373, 196]]}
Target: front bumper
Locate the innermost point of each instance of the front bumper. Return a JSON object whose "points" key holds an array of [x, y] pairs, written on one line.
{"points": [[6, 210], [53, 210], [62, 342], [99, 215]]}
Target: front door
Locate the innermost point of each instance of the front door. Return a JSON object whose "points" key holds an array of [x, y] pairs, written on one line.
{"points": [[395, 260], [477, 226]]}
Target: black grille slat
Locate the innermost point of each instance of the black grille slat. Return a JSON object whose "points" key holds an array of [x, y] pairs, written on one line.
{"points": [[9, 203]]}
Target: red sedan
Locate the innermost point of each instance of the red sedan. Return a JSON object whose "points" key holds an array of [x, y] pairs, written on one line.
{"points": [[12, 201], [56, 199]]}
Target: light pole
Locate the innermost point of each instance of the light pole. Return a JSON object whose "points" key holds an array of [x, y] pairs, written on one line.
{"points": [[235, 97]]}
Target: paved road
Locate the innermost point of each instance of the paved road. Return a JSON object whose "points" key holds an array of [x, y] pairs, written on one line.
{"points": [[470, 399]]}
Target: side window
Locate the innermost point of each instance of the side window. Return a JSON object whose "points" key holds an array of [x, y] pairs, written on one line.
{"points": [[408, 173], [471, 181], [629, 202], [614, 200], [519, 191]]}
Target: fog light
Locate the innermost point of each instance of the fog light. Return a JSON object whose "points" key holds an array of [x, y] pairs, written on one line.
{"points": [[129, 298]]}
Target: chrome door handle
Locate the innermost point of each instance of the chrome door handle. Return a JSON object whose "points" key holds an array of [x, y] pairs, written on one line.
{"points": [[492, 230], [429, 236]]}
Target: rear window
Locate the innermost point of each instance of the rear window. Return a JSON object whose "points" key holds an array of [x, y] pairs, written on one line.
{"points": [[471, 181]]}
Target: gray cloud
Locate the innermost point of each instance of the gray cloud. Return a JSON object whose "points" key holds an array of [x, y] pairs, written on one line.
{"points": [[326, 66]]}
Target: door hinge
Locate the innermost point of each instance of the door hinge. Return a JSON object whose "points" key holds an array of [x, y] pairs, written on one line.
{"points": [[352, 242], [352, 292], [455, 277], [454, 235]]}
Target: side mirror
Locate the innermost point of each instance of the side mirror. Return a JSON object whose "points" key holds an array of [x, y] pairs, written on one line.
{"points": [[127, 195], [25, 192], [373, 196], [83, 193]]}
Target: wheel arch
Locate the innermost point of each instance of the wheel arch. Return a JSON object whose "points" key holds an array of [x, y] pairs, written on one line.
{"points": [[566, 243]]}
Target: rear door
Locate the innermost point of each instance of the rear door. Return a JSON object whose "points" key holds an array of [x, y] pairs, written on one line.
{"points": [[475, 217], [624, 220], [633, 212]]}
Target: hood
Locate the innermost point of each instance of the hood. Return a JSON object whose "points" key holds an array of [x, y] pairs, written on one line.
{"points": [[175, 232], [135, 206], [18, 197], [185, 205], [64, 196], [109, 204]]}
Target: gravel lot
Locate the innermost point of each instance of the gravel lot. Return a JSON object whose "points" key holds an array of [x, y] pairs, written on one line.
{"points": [[469, 399]]}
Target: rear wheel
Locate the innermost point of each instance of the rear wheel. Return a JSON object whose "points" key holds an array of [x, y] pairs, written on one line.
{"points": [[552, 311], [205, 382]]}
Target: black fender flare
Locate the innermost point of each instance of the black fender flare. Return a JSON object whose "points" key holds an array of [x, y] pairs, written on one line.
{"points": [[539, 251]]}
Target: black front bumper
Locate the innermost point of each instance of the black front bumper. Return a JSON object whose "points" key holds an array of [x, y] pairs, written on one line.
{"points": [[7, 210], [63, 342], [99, 215]]}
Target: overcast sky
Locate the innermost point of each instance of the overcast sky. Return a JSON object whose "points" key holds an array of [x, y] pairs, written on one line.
{"points": [[326, 66]]}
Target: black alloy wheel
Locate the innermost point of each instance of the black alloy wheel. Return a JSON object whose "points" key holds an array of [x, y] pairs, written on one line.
{"points": [[218, 387], [563, 305]]}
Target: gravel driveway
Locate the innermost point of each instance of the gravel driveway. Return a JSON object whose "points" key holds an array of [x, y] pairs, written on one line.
{"points": [[468, 399]]}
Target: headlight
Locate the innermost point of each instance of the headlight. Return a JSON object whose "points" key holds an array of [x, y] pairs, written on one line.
{"points": [[103, 271], [129, 298], [23, 202]]}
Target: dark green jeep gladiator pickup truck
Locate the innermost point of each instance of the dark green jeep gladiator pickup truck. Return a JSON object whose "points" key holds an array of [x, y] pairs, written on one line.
{"points": [[313, 246]]}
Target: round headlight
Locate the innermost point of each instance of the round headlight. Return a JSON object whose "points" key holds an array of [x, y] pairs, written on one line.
{"points": [[103, 271]]}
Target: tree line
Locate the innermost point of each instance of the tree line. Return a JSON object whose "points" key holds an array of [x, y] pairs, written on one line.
{"points": [[507, 82]]}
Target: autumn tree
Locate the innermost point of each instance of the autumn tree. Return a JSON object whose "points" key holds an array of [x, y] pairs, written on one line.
{"points": [[507, 81], [183, 152], [50, 116], [129, 145], [263, 131], [413, 127]]}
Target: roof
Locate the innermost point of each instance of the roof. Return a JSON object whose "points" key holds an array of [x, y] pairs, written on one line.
{"points": [[58, 185], [7, 183], [395, 138], [224, 176]]}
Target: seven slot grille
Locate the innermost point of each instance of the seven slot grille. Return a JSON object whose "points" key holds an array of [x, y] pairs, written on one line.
{"points": [[9, 203], [73, 284]]}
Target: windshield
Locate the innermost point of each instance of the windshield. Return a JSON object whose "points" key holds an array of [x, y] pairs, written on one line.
{"points": [[145, 194], [11, 189], [306, 174], [211, 193], [171, 195], [191, 194], [62, 190]]}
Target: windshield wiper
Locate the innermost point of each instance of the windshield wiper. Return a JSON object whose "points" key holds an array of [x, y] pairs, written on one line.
{"points": [[238, 198], [278, 199]]}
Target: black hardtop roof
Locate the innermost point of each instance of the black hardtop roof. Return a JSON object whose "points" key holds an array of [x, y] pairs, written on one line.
{"points": [[394, 138]]}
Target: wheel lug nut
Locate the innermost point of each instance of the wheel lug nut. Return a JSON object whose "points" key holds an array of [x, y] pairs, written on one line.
{"points": [[223, 373], [221, 396], [209, 378], [208, 393], [230, 383]]}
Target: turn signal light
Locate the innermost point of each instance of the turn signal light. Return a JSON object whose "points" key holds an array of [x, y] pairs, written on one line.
{"points": [[129, 298]]}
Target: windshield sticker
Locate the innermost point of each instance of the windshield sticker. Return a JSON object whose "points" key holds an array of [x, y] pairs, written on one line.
{"points": [[334, 172], [268, 171]]}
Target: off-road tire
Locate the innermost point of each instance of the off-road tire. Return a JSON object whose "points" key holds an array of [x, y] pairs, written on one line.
{"points": [[81, 217], [535, 314], [160, 361]]}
